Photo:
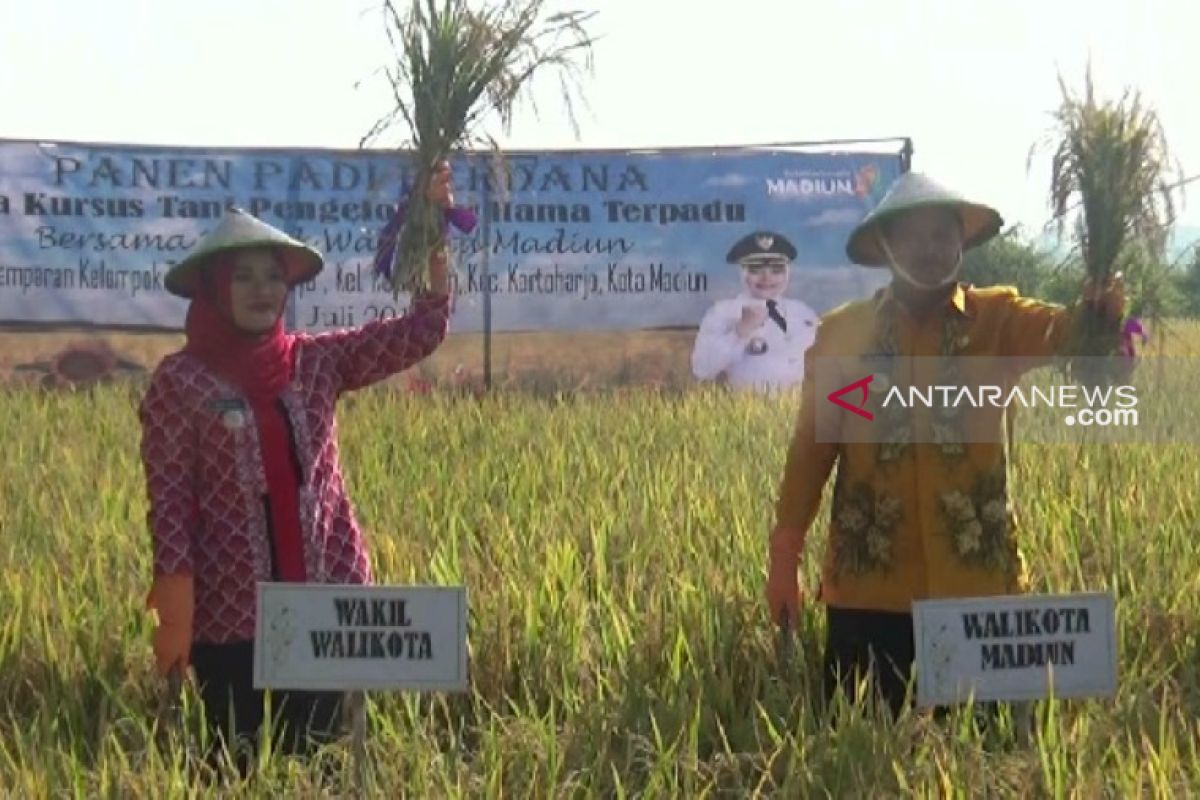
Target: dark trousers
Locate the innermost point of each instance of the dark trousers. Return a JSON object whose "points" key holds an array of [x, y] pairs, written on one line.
{"points": [[235, 709], [877, 646], [873, 645]]}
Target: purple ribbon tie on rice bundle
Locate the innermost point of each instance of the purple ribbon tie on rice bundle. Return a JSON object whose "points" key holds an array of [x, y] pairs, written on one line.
{"points": [[1133, 327], [460, 217]]}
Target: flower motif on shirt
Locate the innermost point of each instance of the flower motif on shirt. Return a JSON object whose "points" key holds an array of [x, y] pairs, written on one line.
{"points": [[977, 521], [896, 433], [851, 518], [947, 418], [994, 512], [895, 421], [866, 520]]}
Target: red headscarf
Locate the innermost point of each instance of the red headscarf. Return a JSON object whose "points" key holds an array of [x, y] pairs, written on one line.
{"points": [[260, 365]]}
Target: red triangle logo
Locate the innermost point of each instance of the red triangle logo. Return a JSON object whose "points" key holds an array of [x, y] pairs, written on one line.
{"points": [[835, 397]]}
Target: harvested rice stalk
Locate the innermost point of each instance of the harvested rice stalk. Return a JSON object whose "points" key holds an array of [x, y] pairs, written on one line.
{"points": [[456, 66], [1109, 178]]}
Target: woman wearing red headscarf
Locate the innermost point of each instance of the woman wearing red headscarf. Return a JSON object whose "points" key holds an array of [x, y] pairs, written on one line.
{"points": [[241, 459]]}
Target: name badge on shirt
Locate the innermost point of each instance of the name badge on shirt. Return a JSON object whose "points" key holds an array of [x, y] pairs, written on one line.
{"points": [[232, 411]]}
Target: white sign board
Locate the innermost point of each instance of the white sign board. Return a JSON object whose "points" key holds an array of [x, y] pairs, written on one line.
{"points": [[330, 637], [1015, 648]]}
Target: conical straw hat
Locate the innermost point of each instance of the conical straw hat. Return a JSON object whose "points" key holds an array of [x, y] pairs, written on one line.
{"points": [[915, 190], [239, 230]]}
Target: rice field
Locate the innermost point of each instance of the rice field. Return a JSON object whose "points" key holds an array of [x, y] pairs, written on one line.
{"points": [[547, 360], [613, 543]]}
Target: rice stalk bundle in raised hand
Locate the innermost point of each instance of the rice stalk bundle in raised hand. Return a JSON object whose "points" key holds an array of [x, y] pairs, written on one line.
{"points": [[1109, 176], [457, 65]]}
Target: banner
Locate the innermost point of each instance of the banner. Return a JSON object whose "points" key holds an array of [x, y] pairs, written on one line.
{"points": [[618, 240]]}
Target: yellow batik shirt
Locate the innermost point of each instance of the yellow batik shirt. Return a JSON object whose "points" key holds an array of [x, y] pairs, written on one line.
{"points": [[919, 519]]}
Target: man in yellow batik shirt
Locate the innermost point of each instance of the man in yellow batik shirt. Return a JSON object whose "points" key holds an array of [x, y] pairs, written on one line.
{"points": [[917, 511]]}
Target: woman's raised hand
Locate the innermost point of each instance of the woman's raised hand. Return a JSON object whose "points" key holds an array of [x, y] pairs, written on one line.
{"points": [[440, 193]]}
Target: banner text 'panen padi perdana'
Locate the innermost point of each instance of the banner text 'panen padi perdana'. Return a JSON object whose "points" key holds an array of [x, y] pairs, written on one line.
{"points": [[610, 240]]}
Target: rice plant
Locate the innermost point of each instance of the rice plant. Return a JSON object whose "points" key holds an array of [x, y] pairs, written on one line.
{"points": [[458, 66], [613, 543]]}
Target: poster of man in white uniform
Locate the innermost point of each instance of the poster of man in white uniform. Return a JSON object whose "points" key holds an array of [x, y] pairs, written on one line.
{"points": [[757, 340]]}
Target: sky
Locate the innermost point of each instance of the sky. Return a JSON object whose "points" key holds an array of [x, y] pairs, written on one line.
{"points": [[972, 83]]}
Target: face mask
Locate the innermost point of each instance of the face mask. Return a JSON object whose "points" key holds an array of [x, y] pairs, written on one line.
{"points": [[949, 278]]}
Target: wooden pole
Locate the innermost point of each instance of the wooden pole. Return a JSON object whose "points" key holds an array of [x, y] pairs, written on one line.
{"points": [[486, 271], [356, 711], [172, 704], [784, 643]]}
